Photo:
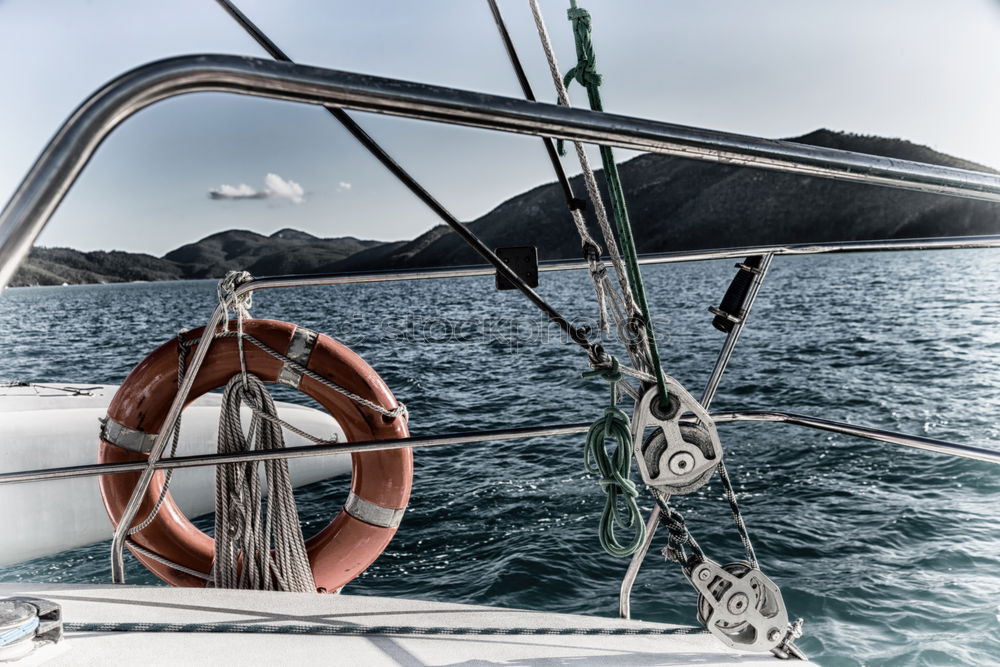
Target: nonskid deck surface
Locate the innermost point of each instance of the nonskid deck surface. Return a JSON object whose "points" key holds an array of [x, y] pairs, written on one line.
{"points": [[127, 604]]}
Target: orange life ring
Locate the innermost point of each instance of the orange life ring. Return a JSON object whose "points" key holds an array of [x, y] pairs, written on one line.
{"points": [[380, 483]]}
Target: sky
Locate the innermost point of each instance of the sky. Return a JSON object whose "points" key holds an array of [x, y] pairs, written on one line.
{"points": [[923, 70]]}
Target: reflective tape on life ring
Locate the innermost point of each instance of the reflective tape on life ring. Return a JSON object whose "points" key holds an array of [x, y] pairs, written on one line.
{"points": [[299, 349], [380, 482], [369, 512], [126, 438]]}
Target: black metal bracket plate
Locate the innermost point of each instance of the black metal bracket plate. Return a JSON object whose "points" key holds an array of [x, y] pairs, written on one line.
{"points": [[524, 262]]}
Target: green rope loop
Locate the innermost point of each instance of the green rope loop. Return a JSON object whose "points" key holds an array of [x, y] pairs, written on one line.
{"points": [[613, 468]]}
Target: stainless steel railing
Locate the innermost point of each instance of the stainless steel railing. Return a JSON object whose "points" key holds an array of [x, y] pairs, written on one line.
{"points": [[482, 437], [69, 151]]}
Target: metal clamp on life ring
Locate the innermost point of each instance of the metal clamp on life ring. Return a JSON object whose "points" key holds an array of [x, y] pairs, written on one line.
{"points": [[380, 482]]}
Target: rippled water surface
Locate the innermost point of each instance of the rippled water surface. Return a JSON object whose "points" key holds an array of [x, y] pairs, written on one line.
{"points": [[891, 555]]}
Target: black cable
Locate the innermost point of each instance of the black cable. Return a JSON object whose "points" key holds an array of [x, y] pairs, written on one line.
{"points": [[595, 351], [571, 201]]}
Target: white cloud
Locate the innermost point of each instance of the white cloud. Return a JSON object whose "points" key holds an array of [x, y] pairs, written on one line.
{"points": [[276, 187], [279, 187], [343, 185]]}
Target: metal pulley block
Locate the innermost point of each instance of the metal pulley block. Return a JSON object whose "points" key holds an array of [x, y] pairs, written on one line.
{"points": [[740, 606], [676, 458], [27, 624]]}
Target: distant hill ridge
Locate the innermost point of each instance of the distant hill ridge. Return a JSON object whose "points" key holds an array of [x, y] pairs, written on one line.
{"points": [[285, 251], [674, 204]]}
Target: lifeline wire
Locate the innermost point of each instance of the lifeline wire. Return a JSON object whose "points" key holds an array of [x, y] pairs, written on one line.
{"points": [[364, 630]]}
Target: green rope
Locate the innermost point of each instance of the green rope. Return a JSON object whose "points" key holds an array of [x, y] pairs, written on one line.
{"points": [[613, 469], [586, 74]]}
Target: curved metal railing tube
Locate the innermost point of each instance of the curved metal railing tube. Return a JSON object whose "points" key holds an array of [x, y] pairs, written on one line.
{"points": [[43, 189], [984, 454]]}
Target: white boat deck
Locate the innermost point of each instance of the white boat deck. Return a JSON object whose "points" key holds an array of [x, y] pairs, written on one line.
{"points": [[127, 604]]}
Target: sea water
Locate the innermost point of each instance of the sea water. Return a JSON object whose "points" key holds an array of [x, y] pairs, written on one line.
{"points": [[891, 555]]}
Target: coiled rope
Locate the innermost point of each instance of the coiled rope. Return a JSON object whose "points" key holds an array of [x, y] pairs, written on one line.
{"points": [[243, 539], [613, 469]]}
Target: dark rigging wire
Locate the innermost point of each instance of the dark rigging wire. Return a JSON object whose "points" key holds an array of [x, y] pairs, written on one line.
{"points": [[594, 350], [571, 200]]}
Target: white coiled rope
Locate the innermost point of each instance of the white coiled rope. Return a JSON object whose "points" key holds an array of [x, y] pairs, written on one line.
{"points": [[254, 551]]}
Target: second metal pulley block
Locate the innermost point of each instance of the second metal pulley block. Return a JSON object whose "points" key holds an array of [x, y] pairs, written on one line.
{"points": [[676, 457], [742, 607]]}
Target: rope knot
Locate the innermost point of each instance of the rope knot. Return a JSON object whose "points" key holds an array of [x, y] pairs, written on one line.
{"points": [[585, 71], [592, 253], [226, 291], [608, 369], [599, 276], [679, 537]]}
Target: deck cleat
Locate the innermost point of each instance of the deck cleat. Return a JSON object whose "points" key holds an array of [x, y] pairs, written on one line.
{"points": [[675, 458], [740, 606]]}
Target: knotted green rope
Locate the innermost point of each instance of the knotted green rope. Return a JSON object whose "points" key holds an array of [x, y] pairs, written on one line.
{"points": [[586, 74], [613, 469]]}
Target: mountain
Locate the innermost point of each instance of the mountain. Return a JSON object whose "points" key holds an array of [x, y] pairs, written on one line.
{"points": [[681, 204], [674, 204], [55, 266], [285, 251]]}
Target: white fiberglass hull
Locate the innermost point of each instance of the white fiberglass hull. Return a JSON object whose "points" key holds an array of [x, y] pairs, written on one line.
{"points": [[44, 426]]}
